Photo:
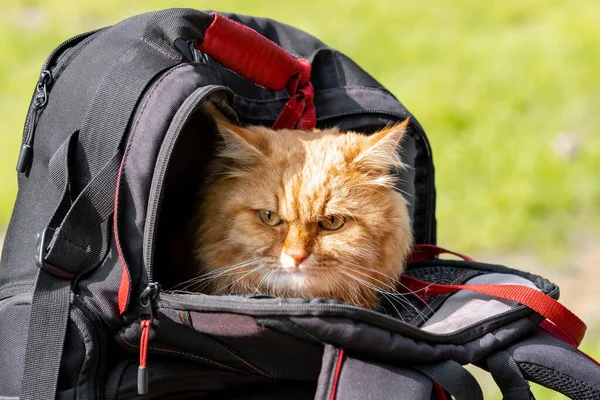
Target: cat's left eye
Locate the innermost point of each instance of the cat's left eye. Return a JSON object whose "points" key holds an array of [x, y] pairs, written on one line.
{"points": [[269, 218], [332, 222]]}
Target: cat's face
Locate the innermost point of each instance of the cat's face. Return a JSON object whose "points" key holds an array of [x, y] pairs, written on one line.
{"points": [[303, 214]]}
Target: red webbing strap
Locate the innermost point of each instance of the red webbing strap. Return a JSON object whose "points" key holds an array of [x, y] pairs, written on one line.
{"points": [[423, 252], [539, 302], [262, 61]]}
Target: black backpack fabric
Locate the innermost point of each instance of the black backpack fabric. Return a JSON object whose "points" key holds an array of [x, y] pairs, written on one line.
{"points": [[114, 141]]}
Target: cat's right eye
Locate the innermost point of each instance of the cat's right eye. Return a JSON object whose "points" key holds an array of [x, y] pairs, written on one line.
{"points": [[269, 218]]}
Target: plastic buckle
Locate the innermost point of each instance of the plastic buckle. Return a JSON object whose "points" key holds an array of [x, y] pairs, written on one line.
{"points": [[45, 239]]}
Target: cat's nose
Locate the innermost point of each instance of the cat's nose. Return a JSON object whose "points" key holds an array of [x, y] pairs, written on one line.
{"points": [[298, 255]]}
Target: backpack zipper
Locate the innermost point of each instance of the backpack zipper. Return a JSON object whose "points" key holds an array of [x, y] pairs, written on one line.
{"points": [[157, 190], [147, 298], [39, 101]]}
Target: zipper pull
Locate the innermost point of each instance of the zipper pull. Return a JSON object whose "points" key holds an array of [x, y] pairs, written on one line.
{"points": [[146, 315], [39, 102], [41, 96], [142, 381]]}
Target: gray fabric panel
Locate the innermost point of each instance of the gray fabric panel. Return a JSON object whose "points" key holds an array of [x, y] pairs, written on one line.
{"points": [[361, 380], [541, 350], [154, 117], [14, 316], [90, 352], [384, 345], [99, 289]]}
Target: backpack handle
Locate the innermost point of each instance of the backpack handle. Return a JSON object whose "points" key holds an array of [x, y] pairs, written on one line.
{"points": [[251, 55], [258, 59]]}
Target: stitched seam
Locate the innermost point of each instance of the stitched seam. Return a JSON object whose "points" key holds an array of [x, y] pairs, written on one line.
{"points": [[243, 360], [178, 352], [72, 242], [148, 101]]}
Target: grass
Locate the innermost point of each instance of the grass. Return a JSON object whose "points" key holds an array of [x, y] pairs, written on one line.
{"points": [[493, 83]]}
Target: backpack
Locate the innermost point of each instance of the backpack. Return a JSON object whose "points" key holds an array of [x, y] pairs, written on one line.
{"points": [[108, 170]]}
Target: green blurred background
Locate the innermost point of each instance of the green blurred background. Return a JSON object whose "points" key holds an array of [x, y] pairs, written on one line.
{"points": [[508, 92]]}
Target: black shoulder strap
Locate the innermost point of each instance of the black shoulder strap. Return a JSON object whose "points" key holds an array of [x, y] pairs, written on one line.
{"points": [[453, 378], [67, 246], [508, 376], [545, 359]]}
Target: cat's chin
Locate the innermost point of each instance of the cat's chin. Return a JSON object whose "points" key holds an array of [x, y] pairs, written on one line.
{"points": [[294, 282]]}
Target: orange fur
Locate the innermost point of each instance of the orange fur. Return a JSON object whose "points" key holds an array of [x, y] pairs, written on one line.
{"points": [[303, 177]]}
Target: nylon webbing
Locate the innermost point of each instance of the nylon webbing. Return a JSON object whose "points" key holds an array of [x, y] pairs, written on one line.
{"points": [[92, 207], [46, 336], [508, 376], [113, 106], [455, 379], [93, 181]]}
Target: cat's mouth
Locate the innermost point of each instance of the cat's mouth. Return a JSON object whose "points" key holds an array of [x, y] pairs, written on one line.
{"points": [[299, 281]]}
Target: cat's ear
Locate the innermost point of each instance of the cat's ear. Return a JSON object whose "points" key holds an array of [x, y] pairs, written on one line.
{"points": [[240, 144], [380, 153]]}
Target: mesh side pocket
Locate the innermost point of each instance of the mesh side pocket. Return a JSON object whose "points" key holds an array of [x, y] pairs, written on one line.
{"points": [[560, 382]]}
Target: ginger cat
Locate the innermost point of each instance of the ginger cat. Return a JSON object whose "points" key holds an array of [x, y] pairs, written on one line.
{"points": [[293, 213]]}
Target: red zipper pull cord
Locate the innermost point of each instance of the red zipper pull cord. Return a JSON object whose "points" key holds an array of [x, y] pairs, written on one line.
{"points": [[146, 315], [142, 382]]}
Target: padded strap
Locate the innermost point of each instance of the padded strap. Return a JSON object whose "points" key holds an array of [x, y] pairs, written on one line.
{"points": [[508, 376], [455, 379], [539, 302], [546, 360]]}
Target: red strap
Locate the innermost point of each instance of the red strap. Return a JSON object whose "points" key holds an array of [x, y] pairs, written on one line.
{"points": [[248, 53], [539, 302], [300, 109], [423, 252], [262, 61], [144, 342]]}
